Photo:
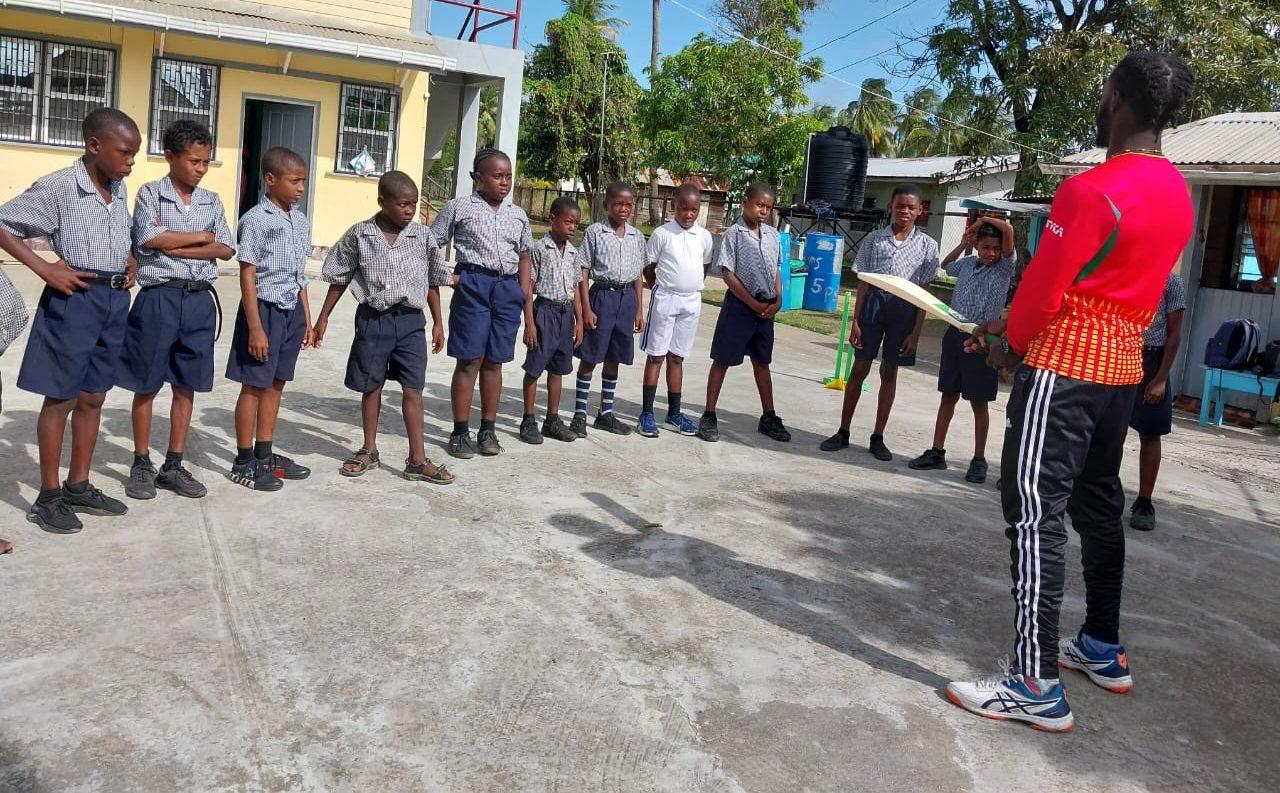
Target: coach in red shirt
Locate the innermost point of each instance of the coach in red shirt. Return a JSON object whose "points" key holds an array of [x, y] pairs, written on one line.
{"points": [[1075, 333]]}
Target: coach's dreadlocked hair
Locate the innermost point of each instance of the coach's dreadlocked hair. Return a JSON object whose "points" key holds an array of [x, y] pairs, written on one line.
{"points": [[1155, 84]]}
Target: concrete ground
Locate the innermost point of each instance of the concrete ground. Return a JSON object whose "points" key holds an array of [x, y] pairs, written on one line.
{"points": [[618, 614]]}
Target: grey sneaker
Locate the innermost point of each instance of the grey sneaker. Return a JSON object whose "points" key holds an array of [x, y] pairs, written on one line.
{"points": [[93, 501], [579, 425], [555, 429], [488, 442], [1142, 515], [610, 423], [55, 516], [528, 432], [709, 429], [179, 480], [142, 480], [462, 446]]}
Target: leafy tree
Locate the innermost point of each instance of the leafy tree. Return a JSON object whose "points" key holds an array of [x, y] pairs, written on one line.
{"points": [[560, 135], [774, 18], [597, 13], [872, 115]]}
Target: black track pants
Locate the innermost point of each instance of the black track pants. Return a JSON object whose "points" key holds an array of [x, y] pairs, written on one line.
{"points": [[1062, 450]]}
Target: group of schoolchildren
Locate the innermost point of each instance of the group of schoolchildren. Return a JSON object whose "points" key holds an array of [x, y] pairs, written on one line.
{"points": [[584, 302]]}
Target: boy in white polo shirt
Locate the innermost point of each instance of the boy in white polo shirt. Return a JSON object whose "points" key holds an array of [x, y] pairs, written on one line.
{"points": [[679, 255]]}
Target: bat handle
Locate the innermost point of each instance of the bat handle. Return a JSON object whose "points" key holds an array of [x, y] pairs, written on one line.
{"points": [[991, 338]]}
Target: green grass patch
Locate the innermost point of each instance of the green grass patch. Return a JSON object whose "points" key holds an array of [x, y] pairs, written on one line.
{"points": [[816, 321]]}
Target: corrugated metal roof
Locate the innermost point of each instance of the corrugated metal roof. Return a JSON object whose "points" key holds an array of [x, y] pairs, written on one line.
{"points": [[267, 25], [941, 169], [1229, 139]]}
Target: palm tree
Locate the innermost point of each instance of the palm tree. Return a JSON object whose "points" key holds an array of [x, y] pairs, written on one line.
{"points": [[597, 13], [917, 128], [872, 115], [825, 114]]}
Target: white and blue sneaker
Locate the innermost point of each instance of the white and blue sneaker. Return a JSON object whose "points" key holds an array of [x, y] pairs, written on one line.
{"points": [[1011, 697], [681, 423], [1107, 665], [647, 425]]}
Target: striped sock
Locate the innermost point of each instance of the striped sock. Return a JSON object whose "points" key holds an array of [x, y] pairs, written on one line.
{"points": [[583, 396], [607, 387]]}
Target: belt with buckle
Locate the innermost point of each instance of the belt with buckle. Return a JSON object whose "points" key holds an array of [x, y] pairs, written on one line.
{"points": [[191, 286], [612, 286], [563, 305], [109, 280], [475, 268]]}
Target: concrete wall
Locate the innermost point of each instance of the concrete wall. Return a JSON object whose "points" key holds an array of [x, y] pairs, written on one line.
{"points": [[338, 200], [383, 12]]}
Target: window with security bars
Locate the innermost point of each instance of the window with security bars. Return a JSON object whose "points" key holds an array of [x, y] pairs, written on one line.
{"points": [[367, 130], [182, 90], [47, 88]]}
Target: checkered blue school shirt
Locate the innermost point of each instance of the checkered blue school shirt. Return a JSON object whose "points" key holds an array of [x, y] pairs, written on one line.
{"points": [[1173, 299], [85, 231], [482, 237], [382, 275], [915, 259], [618, 260], [981, 292], [555, 275], [159, 209], [755, 261], [13, 312], [277, 244]]}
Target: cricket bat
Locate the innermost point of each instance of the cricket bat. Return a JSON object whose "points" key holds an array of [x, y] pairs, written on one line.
{"points": [[919, 297]]}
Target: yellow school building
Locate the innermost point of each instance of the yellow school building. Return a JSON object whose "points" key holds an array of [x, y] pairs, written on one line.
{"points": [[358, 87]]}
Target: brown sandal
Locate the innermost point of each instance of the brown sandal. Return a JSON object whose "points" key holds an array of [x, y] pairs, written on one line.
{"points": [[361, 462], [418, 472]]}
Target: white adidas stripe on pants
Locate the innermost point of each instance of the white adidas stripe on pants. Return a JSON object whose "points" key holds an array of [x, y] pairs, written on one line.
{"points": [[1031, 448]]}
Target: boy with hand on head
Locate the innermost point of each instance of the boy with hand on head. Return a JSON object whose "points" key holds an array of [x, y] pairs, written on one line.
{"points": [[394, 268], [750, 262], [612, 257], [179, 233], [557, 322], [74, 348], [274, 321], [492, 241], [982, 284], [881, 319], [1153, 404], [679, 255]]}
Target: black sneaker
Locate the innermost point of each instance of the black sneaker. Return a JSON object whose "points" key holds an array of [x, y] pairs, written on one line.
{"points": [[836, 442], [528, 432], [932, 460], [55, 516], [709, 429], [462, 446], [977, 473], [256, 475], [142, 480], [773, 427], [1142, 516], [285, 468], [879, 450], [93, 502], [555, 429], [179, 480], [578, 426], [609, 422], [488, 442]]}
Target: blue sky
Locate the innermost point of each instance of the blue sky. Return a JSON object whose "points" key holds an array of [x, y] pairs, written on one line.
{"points": [[679, 26]]}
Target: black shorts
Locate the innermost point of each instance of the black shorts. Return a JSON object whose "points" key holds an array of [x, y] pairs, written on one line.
{"points": [[75, 342], [965, 373], [613, 337], [1152, 421], [388, 345], [554, 353], [741, 333], [886, 321], [169, 340], [285, 329]]}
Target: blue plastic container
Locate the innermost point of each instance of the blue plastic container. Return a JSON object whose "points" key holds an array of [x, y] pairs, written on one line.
{"points": [[823, 257]]}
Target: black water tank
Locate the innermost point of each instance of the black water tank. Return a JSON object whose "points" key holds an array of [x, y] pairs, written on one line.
{"points": [[835, 169]]}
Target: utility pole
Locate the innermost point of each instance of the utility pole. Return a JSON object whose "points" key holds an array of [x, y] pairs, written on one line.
{"points": [[653, 47], [604, 95], [651, 192]]}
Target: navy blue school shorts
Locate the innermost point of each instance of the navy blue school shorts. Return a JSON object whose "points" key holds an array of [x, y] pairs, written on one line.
{"points": [[484, 315], [613, 337], [887, 321], [965, 373], [1152, 421], [169, 339], [75, 342], [285, 330], [388, 345], [740, 333], [554, 352]]}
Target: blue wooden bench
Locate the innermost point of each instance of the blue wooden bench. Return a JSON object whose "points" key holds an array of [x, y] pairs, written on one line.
{"points": [[1218, 381]]}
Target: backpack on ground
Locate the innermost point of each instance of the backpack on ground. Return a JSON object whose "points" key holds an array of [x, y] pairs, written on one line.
{"points": [[1234, 346]]}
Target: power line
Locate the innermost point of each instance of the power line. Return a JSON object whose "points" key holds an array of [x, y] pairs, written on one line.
{"points": [[722, 28], [873, 56], [861, 28]]}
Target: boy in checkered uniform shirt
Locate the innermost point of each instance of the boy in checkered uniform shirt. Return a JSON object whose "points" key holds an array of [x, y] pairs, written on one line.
{"points": [[393, 266], [982, 284], [179, 233], [274, 320], [79, 327]]}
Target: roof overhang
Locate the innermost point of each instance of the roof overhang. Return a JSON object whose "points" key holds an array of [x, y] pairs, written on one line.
{"points": [[418, 55], [1193, 173]]}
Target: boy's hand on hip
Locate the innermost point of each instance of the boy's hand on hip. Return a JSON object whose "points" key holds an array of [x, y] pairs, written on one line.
{"points": [[437, 339], [61, 277], [259, 347], [317, 332]]}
